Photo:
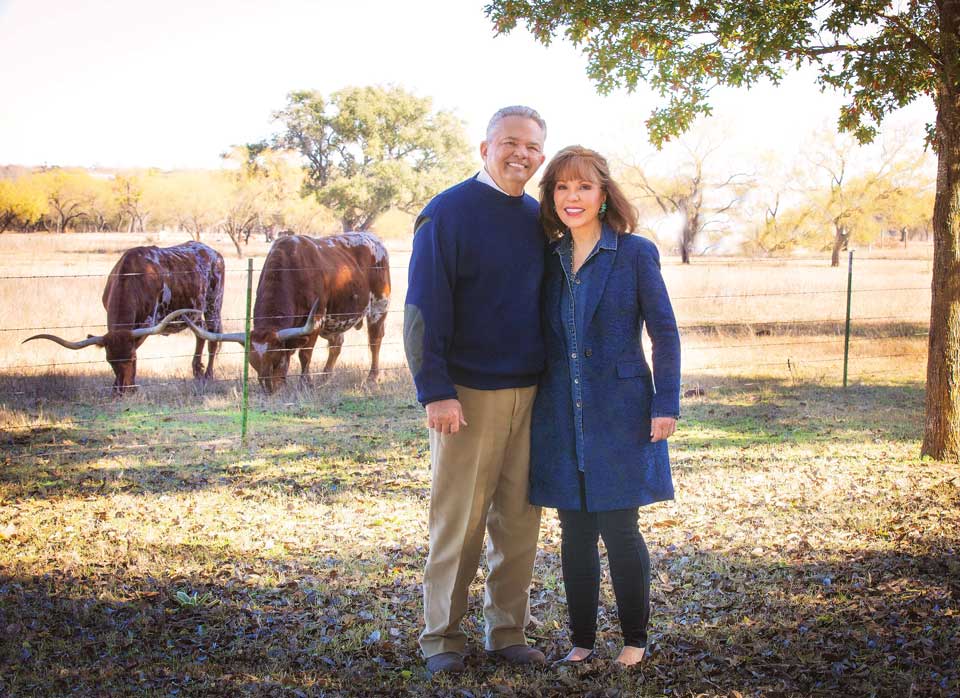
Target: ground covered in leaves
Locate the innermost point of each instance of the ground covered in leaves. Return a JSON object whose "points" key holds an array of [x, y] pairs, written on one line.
{"points": [[809, 552]]}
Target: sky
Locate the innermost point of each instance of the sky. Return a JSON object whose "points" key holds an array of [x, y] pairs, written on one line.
{"points": [[173, 84]]}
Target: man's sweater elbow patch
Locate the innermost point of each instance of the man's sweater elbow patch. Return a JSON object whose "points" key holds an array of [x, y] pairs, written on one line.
{"points": [[413, 332], [421, 221]]}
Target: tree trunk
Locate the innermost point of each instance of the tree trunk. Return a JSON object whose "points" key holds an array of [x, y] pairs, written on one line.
{"points": [[941, 436], [686, 239], [839, 243], [236, 243]]}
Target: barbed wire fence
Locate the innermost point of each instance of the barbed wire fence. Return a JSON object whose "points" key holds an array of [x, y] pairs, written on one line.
{"points": [[792, 345]]}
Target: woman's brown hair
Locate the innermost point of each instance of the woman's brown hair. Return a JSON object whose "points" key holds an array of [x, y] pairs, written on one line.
{"points": [[577, 162]]}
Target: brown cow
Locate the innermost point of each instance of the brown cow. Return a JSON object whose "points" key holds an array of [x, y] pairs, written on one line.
{"points": [[312, 287], [148, 291]]}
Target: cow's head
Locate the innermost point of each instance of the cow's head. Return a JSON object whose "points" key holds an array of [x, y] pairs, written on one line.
{"points": [[270, 350], [270, 358], [121, 348]]}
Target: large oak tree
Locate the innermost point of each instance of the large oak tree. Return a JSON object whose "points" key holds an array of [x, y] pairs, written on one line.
{"points": [[369, 149], [882, 55]]}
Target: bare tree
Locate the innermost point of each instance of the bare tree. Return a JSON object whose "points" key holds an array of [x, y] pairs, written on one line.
{"points": [[702, 201]]}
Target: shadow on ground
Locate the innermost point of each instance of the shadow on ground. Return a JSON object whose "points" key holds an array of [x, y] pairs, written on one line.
{"points": [[833, 623]]}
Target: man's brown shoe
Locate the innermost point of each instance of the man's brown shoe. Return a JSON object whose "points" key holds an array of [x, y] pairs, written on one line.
{"points": [[445, 663], [519, 654]]}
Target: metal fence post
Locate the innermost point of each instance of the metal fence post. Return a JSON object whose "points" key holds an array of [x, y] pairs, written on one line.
{"points": [[846, 337], [246, 354]]}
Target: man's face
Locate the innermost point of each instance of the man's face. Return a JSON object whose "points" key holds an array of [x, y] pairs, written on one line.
{"points": [[513, 152]]}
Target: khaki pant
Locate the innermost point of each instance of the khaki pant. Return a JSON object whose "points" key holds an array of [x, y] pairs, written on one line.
{"points": [[480, 480]]}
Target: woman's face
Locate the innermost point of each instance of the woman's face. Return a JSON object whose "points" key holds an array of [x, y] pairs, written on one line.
{"points": [[578, 202]]}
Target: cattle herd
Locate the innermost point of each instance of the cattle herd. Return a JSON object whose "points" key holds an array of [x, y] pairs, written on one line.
{"points": [[309, 288]]}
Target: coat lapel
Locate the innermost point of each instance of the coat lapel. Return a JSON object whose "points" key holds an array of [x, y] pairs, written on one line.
{"points": [[604, 261], [553, 288]]}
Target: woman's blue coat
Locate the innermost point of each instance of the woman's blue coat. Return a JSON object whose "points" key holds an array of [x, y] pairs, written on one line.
{"points": [[622, 468]]}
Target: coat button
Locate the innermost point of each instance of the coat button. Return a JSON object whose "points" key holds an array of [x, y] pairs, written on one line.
{"points": [[588, 352], [573, 355], [579, 404]]}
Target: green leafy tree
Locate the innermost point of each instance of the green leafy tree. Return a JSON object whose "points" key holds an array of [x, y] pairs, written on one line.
{"points": [[369, 149], [882, 55]]}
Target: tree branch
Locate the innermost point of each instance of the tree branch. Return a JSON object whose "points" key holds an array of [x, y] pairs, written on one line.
{"points": [[823, 50], [913, 36]]}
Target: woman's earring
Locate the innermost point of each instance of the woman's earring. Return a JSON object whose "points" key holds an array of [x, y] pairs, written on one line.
{"points": [[603, 209]]}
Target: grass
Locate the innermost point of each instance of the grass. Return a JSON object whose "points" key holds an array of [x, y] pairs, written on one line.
{"points": [[809, 551]]}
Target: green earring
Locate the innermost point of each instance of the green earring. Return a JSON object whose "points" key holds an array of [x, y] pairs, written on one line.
{"points": [[603, 209]]}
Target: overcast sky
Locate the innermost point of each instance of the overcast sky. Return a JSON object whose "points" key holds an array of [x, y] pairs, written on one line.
{"points": [[171, 84]]}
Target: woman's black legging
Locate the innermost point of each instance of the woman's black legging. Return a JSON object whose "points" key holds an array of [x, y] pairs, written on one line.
{"points": [[629, 568]]}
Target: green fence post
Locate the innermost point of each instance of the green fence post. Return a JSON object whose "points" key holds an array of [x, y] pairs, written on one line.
{"points": [[246, 354], [846, 335]]}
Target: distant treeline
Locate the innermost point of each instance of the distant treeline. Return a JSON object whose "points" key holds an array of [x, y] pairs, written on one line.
{"points": [[196, 202]]}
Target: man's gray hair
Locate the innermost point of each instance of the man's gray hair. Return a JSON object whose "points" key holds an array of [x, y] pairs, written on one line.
{"points": [[516, 110]]}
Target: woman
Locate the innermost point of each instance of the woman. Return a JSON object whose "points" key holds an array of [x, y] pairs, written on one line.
{"points": [[599, 432]]}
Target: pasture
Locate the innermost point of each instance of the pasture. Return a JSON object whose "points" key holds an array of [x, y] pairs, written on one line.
{"points": [[144, 551]]}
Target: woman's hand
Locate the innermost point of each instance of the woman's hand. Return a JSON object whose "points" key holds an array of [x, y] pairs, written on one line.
{"points": [[662, 428]]}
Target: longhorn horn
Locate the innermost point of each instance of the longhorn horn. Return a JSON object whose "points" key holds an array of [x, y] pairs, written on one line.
{"points": [[68, 344], [206, 334], [308, 327], [156, 329]]}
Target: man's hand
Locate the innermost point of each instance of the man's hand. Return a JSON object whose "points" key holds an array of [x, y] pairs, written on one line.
{"points": [[445, 416], [662, 428]]}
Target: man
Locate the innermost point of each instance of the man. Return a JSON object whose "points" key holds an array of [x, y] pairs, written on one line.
{"points": [[473, 343]]}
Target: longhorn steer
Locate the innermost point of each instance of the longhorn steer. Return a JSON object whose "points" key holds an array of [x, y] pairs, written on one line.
{"points": [[312, 287], [148, 292]]}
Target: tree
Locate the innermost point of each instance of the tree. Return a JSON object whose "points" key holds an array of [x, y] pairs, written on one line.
{"points": [[22, 203], [852, 194], [102, 210], [370, 149], [907, 211], [245, 202], [68, 194], [191, 200], [777, 215], [279, 179], [882, 56], [129, 193], [701, 199]]}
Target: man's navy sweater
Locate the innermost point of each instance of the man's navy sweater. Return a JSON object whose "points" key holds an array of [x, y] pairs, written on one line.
{"points": [[472, 314]]}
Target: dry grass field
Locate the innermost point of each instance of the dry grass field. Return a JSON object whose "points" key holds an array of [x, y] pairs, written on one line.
{"points": [[741, 317], [144, 551]]}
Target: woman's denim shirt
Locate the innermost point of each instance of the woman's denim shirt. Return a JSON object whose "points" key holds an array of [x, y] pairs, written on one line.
{"points": [[576, 288]]}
